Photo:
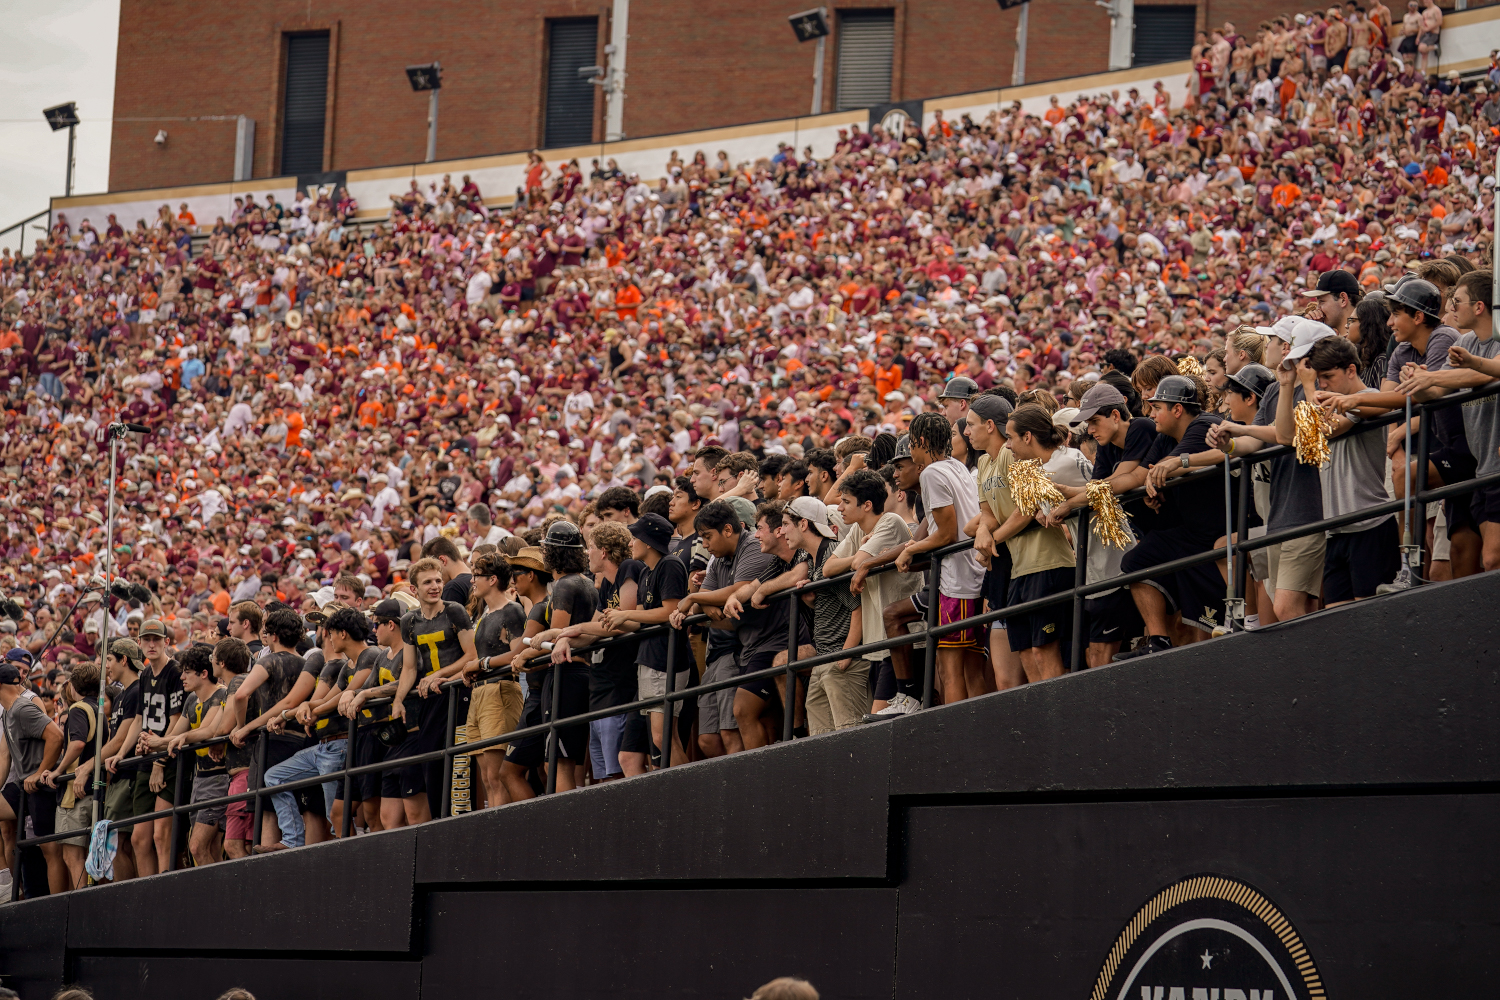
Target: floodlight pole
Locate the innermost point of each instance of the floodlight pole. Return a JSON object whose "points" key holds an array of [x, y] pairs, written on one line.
{"points": [[68, 187], [817, 101], [432, 113], [109, 551]]}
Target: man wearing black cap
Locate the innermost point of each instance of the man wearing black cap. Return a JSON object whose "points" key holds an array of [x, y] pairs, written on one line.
{"points": [[1338, 293], [1128, 446], [34, 743], [664, 585], [380, 682], [1197, 508]]}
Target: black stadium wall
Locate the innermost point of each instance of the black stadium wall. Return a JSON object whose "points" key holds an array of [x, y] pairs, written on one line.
{"points": [[1305, 811]]}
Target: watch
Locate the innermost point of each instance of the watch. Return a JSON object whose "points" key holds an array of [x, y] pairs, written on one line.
{"points": [[1186, 460]]}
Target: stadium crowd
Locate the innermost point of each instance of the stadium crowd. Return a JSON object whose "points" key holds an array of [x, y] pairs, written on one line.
{"points": [[474, 435]]}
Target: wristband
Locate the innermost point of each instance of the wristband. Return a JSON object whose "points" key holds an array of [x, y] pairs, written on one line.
{"points": [[1230, 449]]}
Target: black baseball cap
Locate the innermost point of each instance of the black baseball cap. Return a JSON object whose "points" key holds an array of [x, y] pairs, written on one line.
{"points": [[1334, 282], [655, 531], [389, 610], [10, 674], [990, 407]]}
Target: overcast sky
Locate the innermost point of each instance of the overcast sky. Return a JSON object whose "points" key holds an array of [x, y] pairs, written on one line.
{"points": [[54, 52]]}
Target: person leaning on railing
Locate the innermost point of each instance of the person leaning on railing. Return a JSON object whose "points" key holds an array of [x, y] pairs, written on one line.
{"points": [[202, 706], [1193, 513], [952, 503]]}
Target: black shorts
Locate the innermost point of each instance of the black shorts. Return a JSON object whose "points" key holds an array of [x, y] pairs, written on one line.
{"points": [[1113, 617], [414, 779], [41, 806], [1407, 44], [883, 680], [1456, 465], [1484, 505], [1356, 562], [919, 601], [368, 750], [529, 751], [1198, 591], [1044, 626], [636, 736], [573, 699], [996, 587], [765, 687]]}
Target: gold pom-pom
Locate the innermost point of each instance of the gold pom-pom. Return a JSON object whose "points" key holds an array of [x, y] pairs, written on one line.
{"points": [[1030, 488], [1311, 434], [1109, 516], [1188, 365]]}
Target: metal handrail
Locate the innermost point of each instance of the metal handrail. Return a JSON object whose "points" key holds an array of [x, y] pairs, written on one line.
{"points": [[1077, 594], [21, 250]]}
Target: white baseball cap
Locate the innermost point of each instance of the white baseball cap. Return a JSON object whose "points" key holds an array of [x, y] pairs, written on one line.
{"points": [[815, 512]]}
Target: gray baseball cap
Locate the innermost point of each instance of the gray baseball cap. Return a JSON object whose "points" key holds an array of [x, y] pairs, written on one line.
{"points": [[1101, 397], [960, 388], [903, 448]]}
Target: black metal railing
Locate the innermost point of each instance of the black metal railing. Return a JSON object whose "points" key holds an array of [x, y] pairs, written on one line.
{"points": [[1077, 594]]}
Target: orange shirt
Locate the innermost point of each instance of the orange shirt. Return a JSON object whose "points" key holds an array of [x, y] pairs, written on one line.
{"points": [[627, 301], [220, 601], [294, 425], [1285, 195], [1055, 115]]}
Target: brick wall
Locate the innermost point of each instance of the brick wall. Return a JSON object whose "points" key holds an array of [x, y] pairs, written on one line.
{"points": [[692, 64]]}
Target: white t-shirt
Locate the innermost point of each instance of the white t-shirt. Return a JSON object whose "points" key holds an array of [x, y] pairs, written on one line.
{"points": [[881, 589], [949, 483]]}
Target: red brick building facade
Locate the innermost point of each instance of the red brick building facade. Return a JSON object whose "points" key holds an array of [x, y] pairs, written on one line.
{"points": [[189, 68]]}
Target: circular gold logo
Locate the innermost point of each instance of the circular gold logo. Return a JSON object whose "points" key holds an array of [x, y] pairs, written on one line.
{"points": [[894, 122], [1209, 937]]}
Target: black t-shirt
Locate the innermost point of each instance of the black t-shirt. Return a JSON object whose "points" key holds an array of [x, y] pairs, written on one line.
{"points": [[386, 670], [447, 487], [1199, 505], [282, 671], [336, 675], [126, 707], [78, 732], [436, 644], [668, 581], [457, 589], [195, 710], [574, 595], [1143, 444], [612, 678], [436, 639], [237, 758], [161, 697]]}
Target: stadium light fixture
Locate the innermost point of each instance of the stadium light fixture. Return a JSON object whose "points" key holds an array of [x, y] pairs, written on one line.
{"points": [[65, 116], [812, 25], [428, 77]]}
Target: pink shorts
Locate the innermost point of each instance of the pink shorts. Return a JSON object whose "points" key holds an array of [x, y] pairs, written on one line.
{"points": [[955, 609], [240, 815]]}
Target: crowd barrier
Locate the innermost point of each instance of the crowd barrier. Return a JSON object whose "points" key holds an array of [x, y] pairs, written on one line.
{"points": [[1414, 507]]}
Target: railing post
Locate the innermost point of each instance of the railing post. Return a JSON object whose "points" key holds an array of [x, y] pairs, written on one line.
{"points": [[447, 808], [258, 779], [556, 679], [929, 666], [1080, 579], [346, 827], [789, 700], [1419, 486], [15, 858], [182, 766], [1241, 567], [668, 716]]}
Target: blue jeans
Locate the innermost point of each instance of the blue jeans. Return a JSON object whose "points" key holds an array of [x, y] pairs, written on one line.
{"points": [[309, 762]]}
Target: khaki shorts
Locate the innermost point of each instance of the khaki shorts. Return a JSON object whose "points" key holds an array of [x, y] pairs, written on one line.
{"points": [[1298, 564], [494, 709], [652, 683], [76, 818], [837, 699]]}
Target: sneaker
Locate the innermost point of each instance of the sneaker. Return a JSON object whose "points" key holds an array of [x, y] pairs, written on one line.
{"points": [[1402, 582], [5, 886], [1153, 644], [902, 704]]}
